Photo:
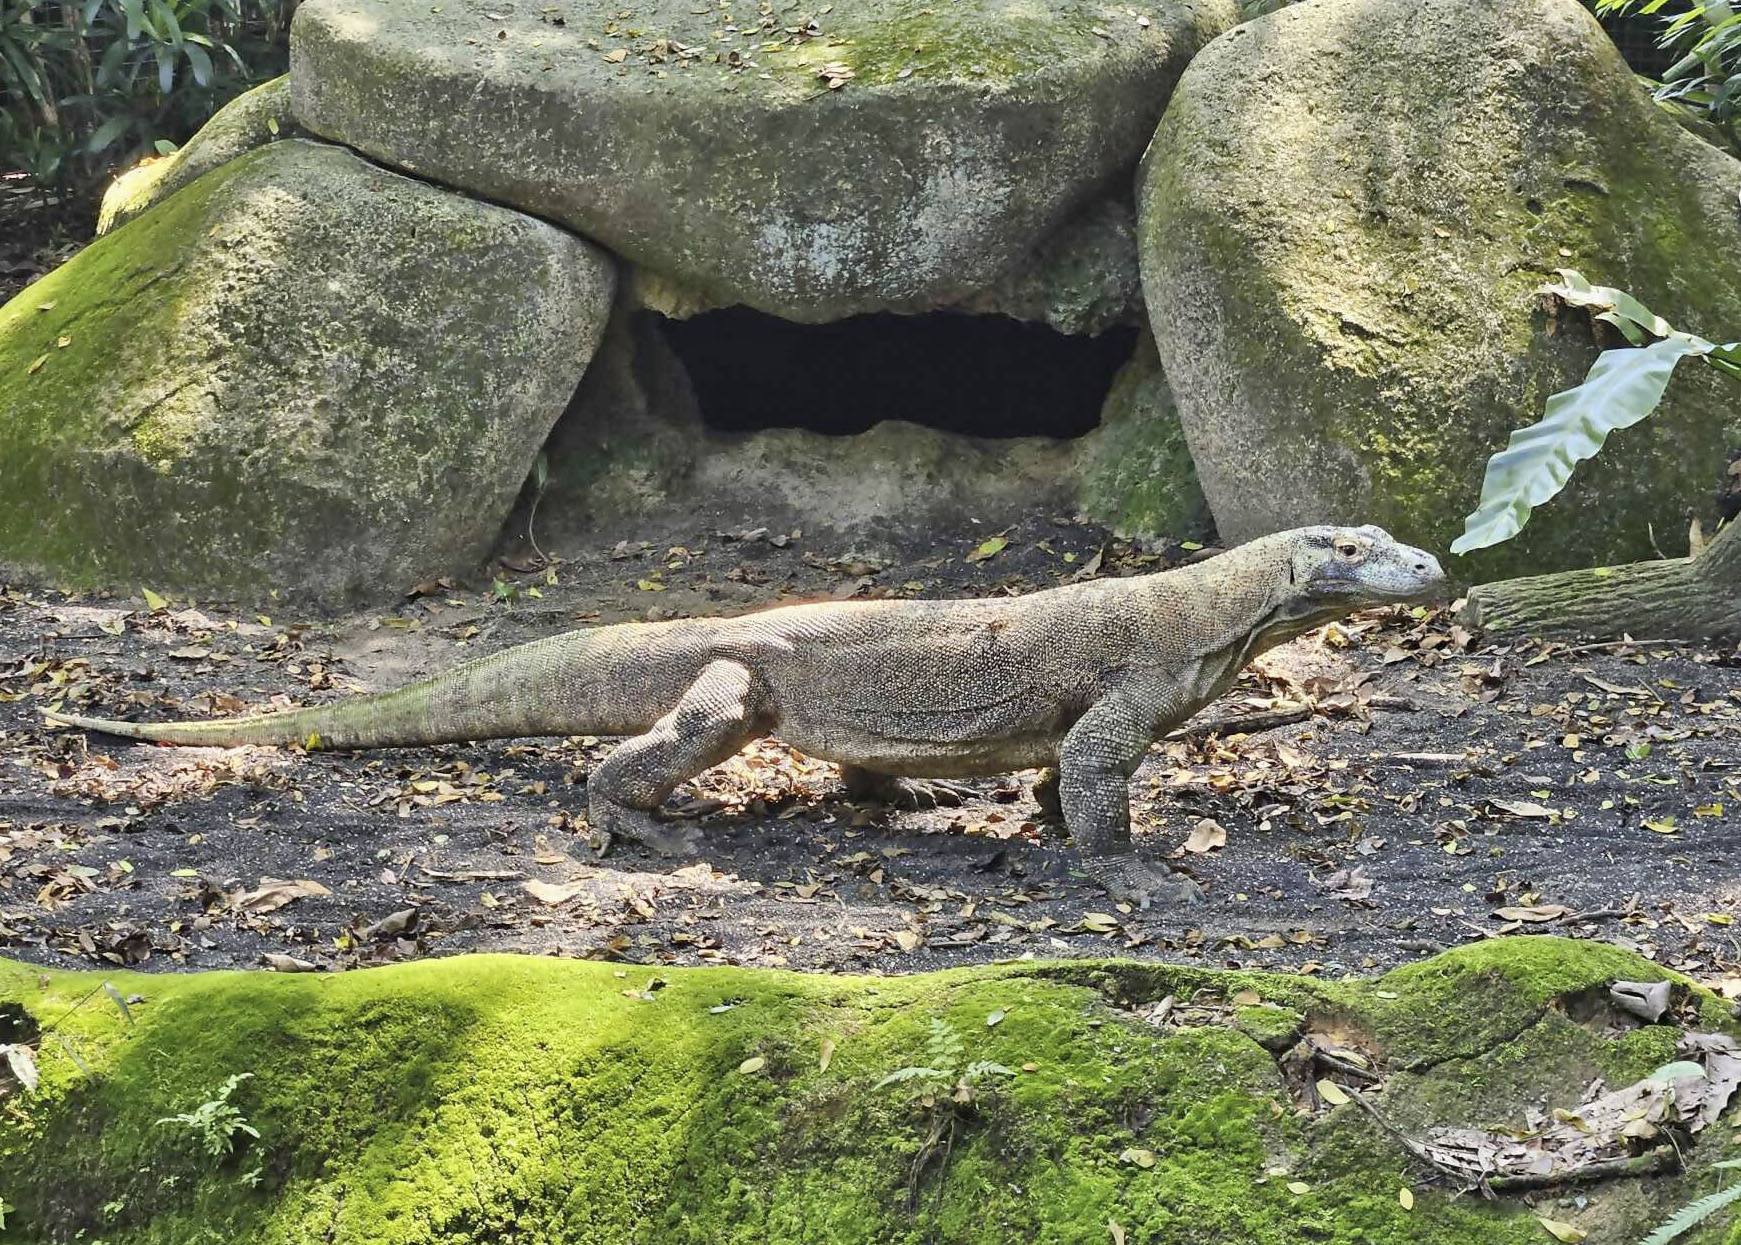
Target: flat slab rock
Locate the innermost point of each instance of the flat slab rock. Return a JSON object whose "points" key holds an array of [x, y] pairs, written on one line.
{"points": [[813, 163]]}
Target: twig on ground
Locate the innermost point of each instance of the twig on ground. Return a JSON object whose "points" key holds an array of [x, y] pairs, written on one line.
{"points": [[1244, 723]]}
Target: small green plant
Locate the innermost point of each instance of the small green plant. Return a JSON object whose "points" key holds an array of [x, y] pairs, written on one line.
{"points": [[943, 1050], [950, 1089], [215, 1124], [1623, 386], [1693, 1214]]}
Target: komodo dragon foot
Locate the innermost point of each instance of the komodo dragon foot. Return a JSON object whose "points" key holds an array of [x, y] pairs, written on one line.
{"points": [[916, 794], [1046, 794], [666, 838], [1128, 880]]}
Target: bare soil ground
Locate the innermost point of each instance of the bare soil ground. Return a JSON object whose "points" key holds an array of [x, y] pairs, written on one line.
{"points": [[1433, 790], [37, 232]]}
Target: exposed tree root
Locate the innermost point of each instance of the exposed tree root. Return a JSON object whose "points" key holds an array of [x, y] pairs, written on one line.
{"points": [[1687, 598]]}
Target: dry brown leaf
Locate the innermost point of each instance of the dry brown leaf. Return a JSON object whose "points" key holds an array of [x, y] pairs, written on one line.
{"points": [[1207, 836], [1333, 1093], [549, 893], [274, 893], [1521, 808], [1536, 914], [281, 963]]}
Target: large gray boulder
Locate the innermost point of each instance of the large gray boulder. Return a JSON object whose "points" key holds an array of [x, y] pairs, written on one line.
{"points": [[713, 149], [300, 372], [1342, 220]]}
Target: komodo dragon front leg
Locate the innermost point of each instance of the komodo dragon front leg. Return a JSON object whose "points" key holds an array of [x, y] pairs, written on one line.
{"points": [[723, 710], [1099, 754]]}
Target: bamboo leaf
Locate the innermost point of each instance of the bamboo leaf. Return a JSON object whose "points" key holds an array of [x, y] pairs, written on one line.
{"points": [[1622, 387], [109, 131], [201, 62], [111, 64]]}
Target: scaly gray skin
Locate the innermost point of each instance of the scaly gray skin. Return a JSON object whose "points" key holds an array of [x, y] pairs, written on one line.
{"points": [[1083, 678]]}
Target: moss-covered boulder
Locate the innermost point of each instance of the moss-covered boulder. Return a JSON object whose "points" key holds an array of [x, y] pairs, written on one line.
{"points": [[881, 154], [251, 120], [1081, 279], [1342, 220], [493, 1098], [300, 372], [1134, 472]]}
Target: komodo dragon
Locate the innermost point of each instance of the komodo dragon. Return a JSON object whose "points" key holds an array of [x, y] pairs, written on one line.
{"points": [[1081, 677]]}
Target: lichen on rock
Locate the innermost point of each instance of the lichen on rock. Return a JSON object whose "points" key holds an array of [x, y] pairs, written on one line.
{"points": [[302, 372], [1081, 279], [486, 1098], [1343, 218], [711, 147]]}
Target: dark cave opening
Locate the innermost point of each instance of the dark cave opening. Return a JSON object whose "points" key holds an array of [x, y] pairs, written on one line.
{"points": [[977, 375]]}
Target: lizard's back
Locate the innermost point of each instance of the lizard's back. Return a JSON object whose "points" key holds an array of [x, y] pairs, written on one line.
{"points": [[928, 687]]}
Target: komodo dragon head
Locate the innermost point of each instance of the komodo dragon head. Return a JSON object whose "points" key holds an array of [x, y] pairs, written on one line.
{"points": [[1336, 569], [1322, 573]]}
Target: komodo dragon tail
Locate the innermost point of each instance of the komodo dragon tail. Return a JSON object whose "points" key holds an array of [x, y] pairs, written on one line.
{"points": [[605, 681]]}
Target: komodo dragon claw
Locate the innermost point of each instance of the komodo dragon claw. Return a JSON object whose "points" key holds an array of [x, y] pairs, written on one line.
{"points": [[913, 794], [666, 838], [1128, 880]]}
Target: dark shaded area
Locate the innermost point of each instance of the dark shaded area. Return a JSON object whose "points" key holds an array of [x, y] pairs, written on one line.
{"points": [[1636, 35], [982, 376], [38, 232]]}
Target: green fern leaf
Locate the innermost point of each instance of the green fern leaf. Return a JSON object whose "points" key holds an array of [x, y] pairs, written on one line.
{"points": [[1692, 1215]]}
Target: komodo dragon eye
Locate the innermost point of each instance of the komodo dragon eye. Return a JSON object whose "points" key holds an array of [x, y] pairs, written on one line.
{"points": [[1347, 549]]}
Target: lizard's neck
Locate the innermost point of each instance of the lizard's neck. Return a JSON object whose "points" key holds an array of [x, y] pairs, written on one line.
{"points": [[1235, 607]]}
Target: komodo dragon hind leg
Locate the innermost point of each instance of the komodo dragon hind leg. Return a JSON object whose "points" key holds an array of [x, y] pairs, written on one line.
{"points": [[721, 712], [1099, 755], [910, 793]]}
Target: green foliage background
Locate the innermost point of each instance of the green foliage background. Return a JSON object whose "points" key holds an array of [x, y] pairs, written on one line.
{"points": [[1706, 38], [87, 86]]}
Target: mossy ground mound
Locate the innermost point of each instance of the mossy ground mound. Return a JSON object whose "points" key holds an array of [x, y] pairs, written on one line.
{"points": [[498, 1099]]}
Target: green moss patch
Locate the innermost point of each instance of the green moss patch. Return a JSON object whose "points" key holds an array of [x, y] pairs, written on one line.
{"points": [[498, 1098], [1134, 471]]}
